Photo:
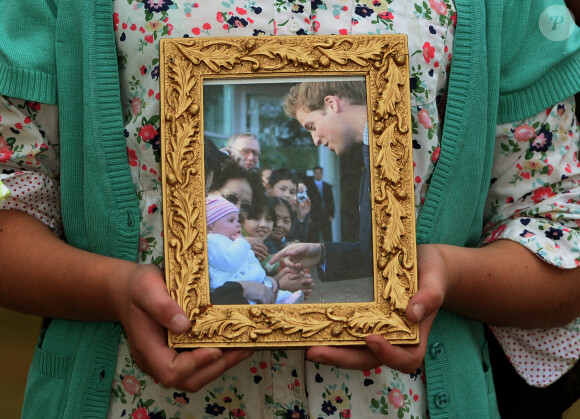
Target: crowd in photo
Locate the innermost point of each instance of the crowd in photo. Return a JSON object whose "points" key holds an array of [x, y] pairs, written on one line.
{"points": [[252, 213]]}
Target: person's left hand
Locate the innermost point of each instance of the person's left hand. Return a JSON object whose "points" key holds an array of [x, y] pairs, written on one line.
{"points": [[422, 309], [258, 291], [290, 280]]}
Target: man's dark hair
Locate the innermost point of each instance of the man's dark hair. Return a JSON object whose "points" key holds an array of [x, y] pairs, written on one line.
{"points": [[309, 96]]}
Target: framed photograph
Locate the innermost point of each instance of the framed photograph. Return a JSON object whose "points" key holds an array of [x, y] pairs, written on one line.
{"points": [[213, 88]]}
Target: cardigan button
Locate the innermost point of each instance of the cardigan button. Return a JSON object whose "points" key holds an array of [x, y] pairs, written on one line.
{"points": [[294, 26], [442, 400], [437, 350]]}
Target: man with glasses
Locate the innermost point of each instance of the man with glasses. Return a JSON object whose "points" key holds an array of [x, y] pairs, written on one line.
{"points": [[244, 148]]}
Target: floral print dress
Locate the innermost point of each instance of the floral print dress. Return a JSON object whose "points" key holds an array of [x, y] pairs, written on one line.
{"points": [[533, 199]]}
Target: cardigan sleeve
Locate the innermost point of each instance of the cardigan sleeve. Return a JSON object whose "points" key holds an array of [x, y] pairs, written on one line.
{"points": [[28, 72]]}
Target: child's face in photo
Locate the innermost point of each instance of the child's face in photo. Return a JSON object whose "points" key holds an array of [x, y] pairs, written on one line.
{"points": [[227, 226], [285, 189], [261, 227], [282, 224]]}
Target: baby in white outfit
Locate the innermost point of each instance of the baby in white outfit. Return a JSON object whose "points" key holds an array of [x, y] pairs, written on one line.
{"points": [[230, 257]]}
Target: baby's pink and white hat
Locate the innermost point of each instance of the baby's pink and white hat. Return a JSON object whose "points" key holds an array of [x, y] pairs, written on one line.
{"points": [[217, 207]]}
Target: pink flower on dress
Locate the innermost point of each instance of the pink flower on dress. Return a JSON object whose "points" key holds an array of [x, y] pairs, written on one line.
{"points": [[143, 244], [33, 105], [435, 155], [428, 52], [140, 413], [132, 157], [542, 193], [238, 413], [131, 384], [496, 234], [181, 398], [136, 105], [148, 132], [386, 15], [523, 133], [396, 398], [439, 7], [424, 118], [155, 6], [5, 151], [345, 413], [116, 21]]}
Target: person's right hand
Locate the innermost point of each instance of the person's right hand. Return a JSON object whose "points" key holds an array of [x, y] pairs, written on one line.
{"points": [[422, 309], [299, 255], [146, 310]]}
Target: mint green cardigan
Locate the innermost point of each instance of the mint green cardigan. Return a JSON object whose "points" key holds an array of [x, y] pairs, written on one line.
{"points": [[68, 58]]}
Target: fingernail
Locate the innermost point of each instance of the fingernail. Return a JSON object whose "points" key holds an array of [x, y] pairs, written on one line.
{"points": [[180, 323], [247, 354], [418, 311]]}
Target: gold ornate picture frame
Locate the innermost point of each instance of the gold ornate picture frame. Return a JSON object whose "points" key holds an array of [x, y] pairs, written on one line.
{"points": [[382, 62]]}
